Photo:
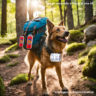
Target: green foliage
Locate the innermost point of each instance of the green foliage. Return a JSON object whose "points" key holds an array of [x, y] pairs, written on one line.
{"points": [[75, 46], [8, 38], [12, 64], [21, 78], [2, 87], [82, 60], [4, 59], [13, 55], [11, 48], [11, 21], [84, 53]]}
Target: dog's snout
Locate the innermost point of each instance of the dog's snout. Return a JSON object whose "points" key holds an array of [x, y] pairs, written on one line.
{"points": [[66, 33]]}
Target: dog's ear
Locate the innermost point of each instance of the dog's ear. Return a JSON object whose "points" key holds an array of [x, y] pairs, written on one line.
{"points": [[61, 23], [50, 25]]}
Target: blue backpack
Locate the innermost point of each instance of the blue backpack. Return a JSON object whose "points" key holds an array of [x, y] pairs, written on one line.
{"points": [[37, 28]]}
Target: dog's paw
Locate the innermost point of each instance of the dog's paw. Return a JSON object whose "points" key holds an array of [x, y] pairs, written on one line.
{"points": [[46, 93], [29, 83], [64, 89]]}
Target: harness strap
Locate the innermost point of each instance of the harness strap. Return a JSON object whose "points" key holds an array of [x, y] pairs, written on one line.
{"points": [[49, 50]]}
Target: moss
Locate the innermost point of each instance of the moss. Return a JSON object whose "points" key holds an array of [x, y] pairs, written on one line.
{"points": [[6, 39], [6, 43], [13, 55], [92, 52], [75, 46], [81, 29], [69, 53], [2, 88], [12, 64], [12, 48], [75, 36], [13, 40], [84, 53], [82, 60], [21, 78], [4, 59], [91, 79], [90, 68]]}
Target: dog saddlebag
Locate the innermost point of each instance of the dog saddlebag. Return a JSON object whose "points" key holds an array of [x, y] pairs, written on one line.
{"points": [[37, 28]]}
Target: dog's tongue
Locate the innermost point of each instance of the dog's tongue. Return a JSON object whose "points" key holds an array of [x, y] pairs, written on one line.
{"points": [[63, 39]]}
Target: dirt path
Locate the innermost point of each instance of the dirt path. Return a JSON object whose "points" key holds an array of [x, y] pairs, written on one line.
{"points": [[71, 73]]}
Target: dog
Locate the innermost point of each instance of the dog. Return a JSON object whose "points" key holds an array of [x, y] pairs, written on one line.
{"points": [[55, 43]]}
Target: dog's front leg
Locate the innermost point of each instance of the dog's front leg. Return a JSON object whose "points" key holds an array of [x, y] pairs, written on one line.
{"points": [[45, 92], [58, 71]]}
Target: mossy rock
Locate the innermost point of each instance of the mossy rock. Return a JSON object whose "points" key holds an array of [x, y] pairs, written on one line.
{"points": [[75, 46], [75, 36], [12, 48], [4, 59], [13, 40], [84, 53], [13, 55], [90, 68], [82, 60], [2, 88], [12, 64], [21, 78], [92, 52]]}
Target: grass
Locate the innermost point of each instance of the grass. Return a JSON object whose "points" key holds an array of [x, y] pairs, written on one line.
{"points": [[11, 48], [4, 59], [21, 78], [2, 87], [82, 60], [13, 55], [7, 39], [12, 64], [75, 46]]}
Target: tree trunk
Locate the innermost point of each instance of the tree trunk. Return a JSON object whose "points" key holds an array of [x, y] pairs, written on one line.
{"points": [[4, 18], [69, 15], [30, 10], [65, 14], [88, 10], [45, 7], [60, 7], [77, 13], [21, 16], [52, 11]]}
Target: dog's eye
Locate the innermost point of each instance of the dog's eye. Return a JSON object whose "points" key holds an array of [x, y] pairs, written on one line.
{"points": [[58, 29]]}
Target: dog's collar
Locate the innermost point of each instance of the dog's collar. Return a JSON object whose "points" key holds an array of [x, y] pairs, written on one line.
{"points": [[50, 51]]}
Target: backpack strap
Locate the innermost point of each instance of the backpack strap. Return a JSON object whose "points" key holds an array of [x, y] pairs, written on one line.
{"points": [[26, 33]]}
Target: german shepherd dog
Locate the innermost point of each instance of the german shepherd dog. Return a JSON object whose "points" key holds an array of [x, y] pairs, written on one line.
{"points": [[55, 41]]}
